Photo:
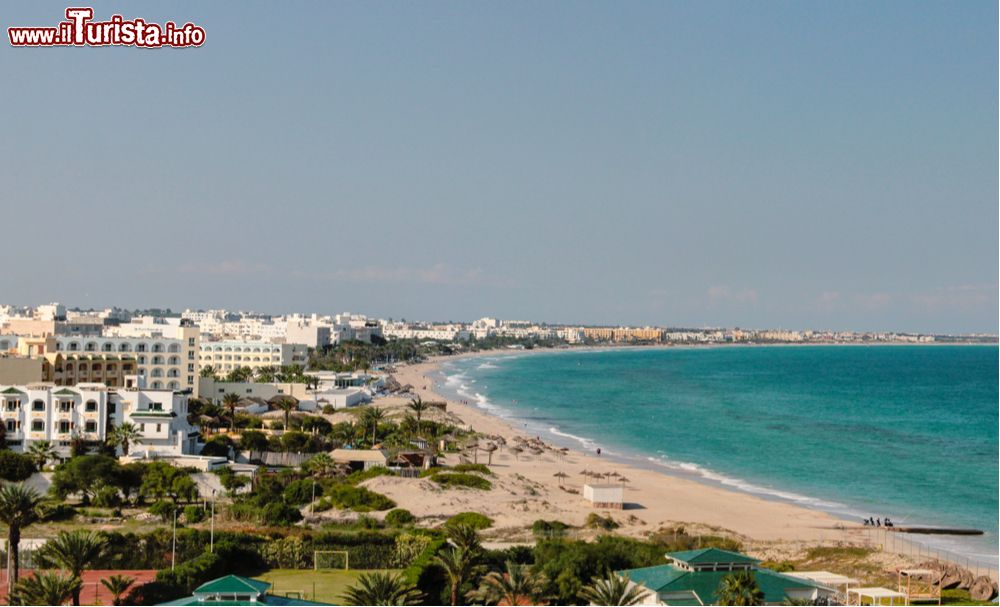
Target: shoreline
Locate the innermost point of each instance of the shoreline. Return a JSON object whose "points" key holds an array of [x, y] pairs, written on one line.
{"points": [[662, 496]]}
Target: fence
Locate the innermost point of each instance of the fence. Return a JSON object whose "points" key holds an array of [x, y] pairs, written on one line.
{"points": [[901, 543]]}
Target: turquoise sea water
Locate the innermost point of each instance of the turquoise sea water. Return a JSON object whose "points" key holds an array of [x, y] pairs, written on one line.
{"points": [[904, 431]]}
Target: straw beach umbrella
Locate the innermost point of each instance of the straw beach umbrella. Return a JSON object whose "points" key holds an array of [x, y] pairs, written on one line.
{"points": [[560, 475]]}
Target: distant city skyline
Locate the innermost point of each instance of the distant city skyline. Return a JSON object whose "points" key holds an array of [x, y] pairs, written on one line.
{"points": [[781, 165]]}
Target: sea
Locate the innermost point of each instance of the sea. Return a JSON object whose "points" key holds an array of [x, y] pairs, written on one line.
{"points": [[908, 432]]}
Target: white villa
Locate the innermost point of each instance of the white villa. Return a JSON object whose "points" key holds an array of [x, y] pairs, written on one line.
{"points": [[45, 412]]}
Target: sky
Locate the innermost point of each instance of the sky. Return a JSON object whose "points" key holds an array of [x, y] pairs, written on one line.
{"points": [[755, 164]]}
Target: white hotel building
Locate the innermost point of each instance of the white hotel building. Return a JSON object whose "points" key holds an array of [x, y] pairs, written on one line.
{"points": [[166, 363], [228, 354], [44, 412]]}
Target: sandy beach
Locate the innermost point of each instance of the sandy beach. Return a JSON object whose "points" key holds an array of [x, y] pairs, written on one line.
{"points": [[526, 489]]}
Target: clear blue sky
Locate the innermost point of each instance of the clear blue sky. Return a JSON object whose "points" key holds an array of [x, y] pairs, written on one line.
{"points": [[824, 165]]}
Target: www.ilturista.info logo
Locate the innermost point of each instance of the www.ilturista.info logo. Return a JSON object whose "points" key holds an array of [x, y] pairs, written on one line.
{"points": [[79, 29]]}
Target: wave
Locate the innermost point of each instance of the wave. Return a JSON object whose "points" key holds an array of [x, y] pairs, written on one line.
{"points": [[744, 485], [487, 366]]}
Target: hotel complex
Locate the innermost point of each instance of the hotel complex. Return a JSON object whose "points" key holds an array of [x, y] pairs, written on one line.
{"points": [[44, 412]]}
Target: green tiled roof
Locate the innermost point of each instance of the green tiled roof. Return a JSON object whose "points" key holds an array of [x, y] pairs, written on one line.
{"points": [[709, 556], [65, 392], [232, 584], [670, 579], [12, 390]]}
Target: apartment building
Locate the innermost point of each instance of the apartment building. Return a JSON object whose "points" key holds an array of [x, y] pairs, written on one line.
{"points": [[228, 354], [44, 412]]}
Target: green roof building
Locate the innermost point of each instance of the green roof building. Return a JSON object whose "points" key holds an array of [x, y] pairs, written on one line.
{"points": [[236, 590], [692, 577]]}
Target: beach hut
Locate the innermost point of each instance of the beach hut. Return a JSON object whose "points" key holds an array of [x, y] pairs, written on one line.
{"points": [[361, 459], [605, 496], [875, 596], [918, 584], [841, 583]]}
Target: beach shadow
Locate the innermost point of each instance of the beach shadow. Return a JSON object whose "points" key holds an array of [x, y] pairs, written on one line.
{"points": [[632, 506]]}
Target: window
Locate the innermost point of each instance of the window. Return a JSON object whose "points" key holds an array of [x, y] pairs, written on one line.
{"points": [[65, 406], [64, 427], [142, 360], [90, 427], [91, 406], [12, 405], [37, 425], [38, 405], [140, 348], [11, 425], [142, 427], [158, 428], [156, 406], [190, 379], [112, 407]]}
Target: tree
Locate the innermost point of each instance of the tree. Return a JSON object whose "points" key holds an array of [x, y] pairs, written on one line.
{"points": [[85, 475], [371, 417], [287, 404], [117, 585], [418, 406], [74, 551], [163, 480], [740, 589], [230, 401], [613, 590], [124, 436], [45, 588], [320, 465], [464, 536], [208, 371], [460, 566], [516, 586], [42, 452], [253, 440], [379, 588], [16, 467], [19, 508]]}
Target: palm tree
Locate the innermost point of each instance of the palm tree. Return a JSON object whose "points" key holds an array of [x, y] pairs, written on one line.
{"points": [[380, 588], [73, 551], [613, 590], [117, 585], [459, 564], [739, 589], [464, 536], [207, 371], [230, 401], [45, 588], [125, 435], [373, 415], [41, 452], [19, 508], [287, 404], [418, 406], [320, 465], [516, 586]]}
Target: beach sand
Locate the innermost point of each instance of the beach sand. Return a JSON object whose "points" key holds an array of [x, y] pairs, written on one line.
{"points": [[526, 488]]}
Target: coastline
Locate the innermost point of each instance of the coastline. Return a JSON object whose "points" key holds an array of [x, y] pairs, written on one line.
{"points": [[659, 498], [772, 526]]}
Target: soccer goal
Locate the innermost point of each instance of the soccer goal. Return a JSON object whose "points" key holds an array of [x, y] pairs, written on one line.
{"points": [[331, 559]]}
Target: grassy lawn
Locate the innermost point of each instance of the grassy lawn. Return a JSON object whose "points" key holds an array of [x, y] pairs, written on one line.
{"points": [[329, 584]]}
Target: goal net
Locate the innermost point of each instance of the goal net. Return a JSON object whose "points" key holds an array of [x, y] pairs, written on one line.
{"points": [[331, 559]]}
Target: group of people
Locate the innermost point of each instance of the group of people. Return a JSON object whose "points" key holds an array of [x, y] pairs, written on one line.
{"points": [[878, 522]]}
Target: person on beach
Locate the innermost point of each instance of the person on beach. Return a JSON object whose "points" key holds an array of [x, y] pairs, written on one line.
{"points": [[598, 451]]}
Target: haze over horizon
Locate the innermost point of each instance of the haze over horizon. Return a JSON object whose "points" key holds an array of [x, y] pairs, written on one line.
{"points": [[675, 164]]}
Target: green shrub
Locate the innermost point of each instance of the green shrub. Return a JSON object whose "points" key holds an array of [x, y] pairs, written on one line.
{"points": [[361, 476], [458, 479], [278, 513], [322, 505], [472, 519], [358, 499], [481, 468], [194, 514], [15, 467], [301, 491], [399, 517], [542, 528], [163, 509], [596, 521]]}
